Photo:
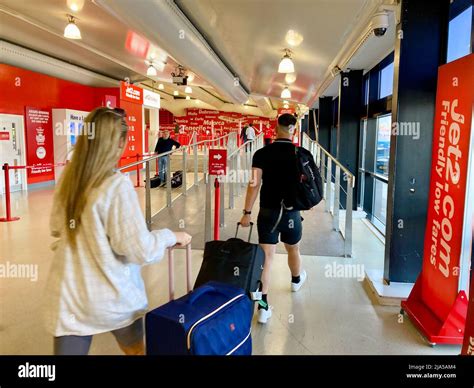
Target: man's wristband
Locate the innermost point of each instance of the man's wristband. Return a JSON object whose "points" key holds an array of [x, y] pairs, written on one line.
{"points": [[245, 212]]}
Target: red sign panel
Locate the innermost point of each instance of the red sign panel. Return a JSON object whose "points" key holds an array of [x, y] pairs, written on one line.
{"points": [[4, 135], [449, 168], [134, 140], [110, 101], [39, 144], [131, 93], [468, 344], [217, 161]]}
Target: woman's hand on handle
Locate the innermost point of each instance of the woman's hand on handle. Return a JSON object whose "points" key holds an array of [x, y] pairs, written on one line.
{"points": [[182, 239]]}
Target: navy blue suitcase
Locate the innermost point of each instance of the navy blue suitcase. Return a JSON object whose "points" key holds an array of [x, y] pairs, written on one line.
{"points": [[214, 319]]}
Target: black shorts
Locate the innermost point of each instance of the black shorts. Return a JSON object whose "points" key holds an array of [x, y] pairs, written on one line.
{"points": [[289, 228]]}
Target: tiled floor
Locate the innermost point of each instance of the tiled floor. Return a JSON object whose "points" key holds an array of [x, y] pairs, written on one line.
{"points": [[329, 315]]}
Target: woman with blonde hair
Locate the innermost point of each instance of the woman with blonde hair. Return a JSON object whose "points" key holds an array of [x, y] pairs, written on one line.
{"points": [[95, 284]]}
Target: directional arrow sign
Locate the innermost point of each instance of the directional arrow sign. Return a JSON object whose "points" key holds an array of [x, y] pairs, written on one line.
{"points": [[217, 161]]}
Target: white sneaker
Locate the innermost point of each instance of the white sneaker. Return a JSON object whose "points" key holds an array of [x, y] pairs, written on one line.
{"points": [[264, 315], [296, 286]]}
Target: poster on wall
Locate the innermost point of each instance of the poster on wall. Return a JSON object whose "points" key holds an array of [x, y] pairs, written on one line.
{"points": [[39, 144]]}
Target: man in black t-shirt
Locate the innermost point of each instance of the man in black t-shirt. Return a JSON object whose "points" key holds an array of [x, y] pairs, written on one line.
{"points": [[274, 169]]}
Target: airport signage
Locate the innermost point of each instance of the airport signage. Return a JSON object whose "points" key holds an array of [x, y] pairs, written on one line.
{"points": [[131, 93], [449, 178], [151, 99], [217, 161], [39, 144], [438, 302]]}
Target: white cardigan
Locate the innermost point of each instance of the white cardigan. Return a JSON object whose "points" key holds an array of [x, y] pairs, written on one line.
{"points": [[98, 287]]}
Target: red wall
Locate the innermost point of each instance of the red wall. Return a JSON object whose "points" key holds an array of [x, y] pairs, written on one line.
{"points": [[20, 88], [165, 116]]}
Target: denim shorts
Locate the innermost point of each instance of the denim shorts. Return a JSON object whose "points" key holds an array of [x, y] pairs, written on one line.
{"points": [[289, 228]]}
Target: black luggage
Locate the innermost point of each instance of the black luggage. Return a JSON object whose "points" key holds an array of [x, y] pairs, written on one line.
{"points": [[177, 179], [155, 182], [235, 262]]}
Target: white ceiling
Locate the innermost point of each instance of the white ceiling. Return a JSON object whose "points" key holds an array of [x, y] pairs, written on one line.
{"points": [[249, 35]]}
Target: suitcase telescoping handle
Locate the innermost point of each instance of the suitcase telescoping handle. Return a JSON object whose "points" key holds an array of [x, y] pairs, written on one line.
{"points": [[171, 270], [237, 230]]}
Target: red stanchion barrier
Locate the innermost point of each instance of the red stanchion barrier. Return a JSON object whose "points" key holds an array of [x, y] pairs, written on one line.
{"points": [[9, 217], [217, 207], [6, 168]]}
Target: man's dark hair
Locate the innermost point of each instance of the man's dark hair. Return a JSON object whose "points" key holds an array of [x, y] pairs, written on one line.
{"points": [[286, 119]]}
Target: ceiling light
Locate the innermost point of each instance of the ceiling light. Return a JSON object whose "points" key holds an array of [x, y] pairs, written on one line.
{"points": [[285, 93], [286, 106], [198, 102], [72, 31], [285, 102], [190, 77], [175, 93], [75, 5], [188, 97], [151, 71], [286, 65], [161, 87], [188, 89], [290, 78], [293, 38]]}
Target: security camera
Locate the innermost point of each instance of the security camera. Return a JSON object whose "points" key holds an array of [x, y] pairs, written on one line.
{"points": [[380, 23]]}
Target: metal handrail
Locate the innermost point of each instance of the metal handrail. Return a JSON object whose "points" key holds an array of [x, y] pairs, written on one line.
{"points": [[333, 159], [244, 144], [332, 191], [180, 149]]}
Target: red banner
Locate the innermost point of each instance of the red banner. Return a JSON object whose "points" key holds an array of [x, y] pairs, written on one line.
{"points": [[39, 144], [134, 141], [468, 345], [449, 167], [131, 93]]}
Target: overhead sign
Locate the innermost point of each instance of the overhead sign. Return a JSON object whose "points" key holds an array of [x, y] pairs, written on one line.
{"points": [[131, 93], [217, 161], [151, 99]]}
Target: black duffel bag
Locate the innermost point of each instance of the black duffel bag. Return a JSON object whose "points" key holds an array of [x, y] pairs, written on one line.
{"points": [[235, 262]]}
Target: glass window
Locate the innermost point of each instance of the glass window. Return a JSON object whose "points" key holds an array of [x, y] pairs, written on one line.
{"points": [[380, 202], [386, 81], [459, 35], [366, 91], [382, 154]]}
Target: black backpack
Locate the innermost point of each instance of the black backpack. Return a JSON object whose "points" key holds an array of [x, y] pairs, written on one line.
{"points": [[308, 191]]}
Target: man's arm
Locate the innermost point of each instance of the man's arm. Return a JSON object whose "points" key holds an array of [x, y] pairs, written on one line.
{"points": [[252, 191], [176, 144]]}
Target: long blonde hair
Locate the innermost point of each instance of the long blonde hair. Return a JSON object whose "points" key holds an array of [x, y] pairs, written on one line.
{"points": [[95, 155]]}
